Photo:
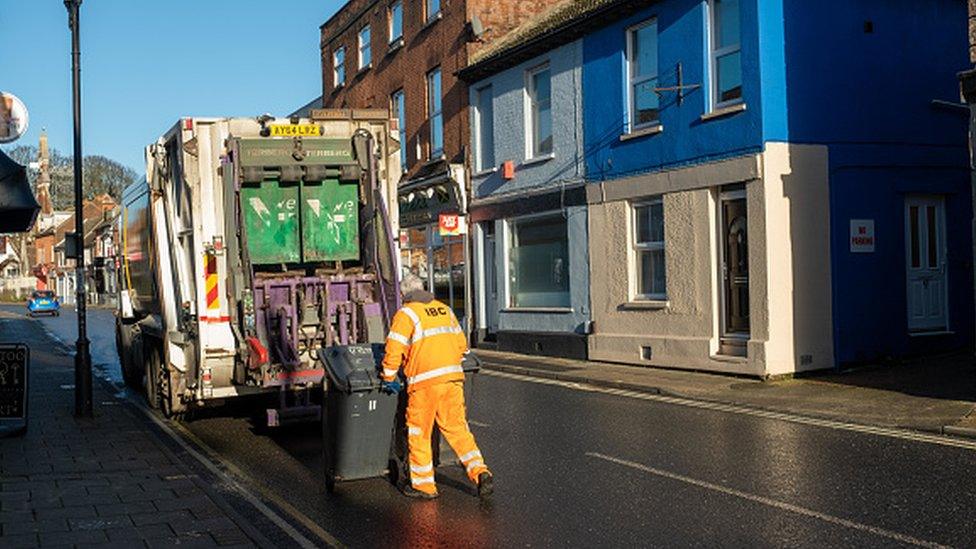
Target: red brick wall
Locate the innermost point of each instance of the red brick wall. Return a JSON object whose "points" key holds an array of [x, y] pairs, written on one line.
{"points": [[444, 43], [972, 31]]}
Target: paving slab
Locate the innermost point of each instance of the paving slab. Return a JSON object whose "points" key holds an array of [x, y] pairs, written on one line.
{"points": [[935, 394], [94, 482]]}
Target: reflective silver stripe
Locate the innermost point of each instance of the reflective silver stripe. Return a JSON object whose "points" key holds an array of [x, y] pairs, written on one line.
{"points": [[473, 464], [414, 431], [470, 455], [442, 330], [398, 337], [436, 373], [422, 468], [422, 480], [389, 373], [418, 334]]}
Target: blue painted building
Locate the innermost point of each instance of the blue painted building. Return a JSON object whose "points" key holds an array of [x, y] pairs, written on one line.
{"points": [[772, 186]]}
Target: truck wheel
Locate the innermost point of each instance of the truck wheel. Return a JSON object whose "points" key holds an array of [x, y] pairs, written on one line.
{"points": [[171, 386], [151, 377]]}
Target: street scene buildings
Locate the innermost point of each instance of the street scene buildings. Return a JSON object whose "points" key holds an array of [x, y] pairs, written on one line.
{"points": [[690, 272]]}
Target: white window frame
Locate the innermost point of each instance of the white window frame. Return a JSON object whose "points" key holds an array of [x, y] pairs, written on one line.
{"points": [[637, 247], [713, 56], [433, 112], [633, 82], [479, 148], [431, 16], [337, 66], [394, 37], [401, 115], [531, 118], [365, 46]]}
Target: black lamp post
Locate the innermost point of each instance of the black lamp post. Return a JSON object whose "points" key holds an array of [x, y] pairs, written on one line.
{"points": [[83, 371]]}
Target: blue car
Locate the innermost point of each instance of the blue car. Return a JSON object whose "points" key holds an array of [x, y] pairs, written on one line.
{"points": [[43, 302]]}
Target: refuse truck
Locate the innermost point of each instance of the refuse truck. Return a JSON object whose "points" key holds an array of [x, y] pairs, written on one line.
{"points": [[252, 244]]}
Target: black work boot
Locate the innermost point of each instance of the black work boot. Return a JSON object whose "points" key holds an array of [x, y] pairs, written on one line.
{"points": [[412, 492], [486, 485]]}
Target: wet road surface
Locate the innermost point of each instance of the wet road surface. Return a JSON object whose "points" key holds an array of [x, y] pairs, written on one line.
{"points": [[577, 467]]}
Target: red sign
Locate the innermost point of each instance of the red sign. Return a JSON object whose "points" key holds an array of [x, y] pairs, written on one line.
{"points": [[450, 224]]}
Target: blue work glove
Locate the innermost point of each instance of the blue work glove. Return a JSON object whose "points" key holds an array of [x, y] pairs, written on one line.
{"points": [[391, 387]]}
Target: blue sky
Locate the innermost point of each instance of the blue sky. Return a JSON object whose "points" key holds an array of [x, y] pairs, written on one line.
{"points": [[146, 63]]}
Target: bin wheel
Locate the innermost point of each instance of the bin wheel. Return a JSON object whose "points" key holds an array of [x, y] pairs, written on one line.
{"points": [[330, 482]]}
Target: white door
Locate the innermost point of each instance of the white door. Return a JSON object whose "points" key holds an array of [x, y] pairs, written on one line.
{"points": [[491, 278], [925, 261]]}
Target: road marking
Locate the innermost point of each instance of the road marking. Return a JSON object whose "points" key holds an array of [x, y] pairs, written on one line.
{"points": [[782, 505], [267, 494], [478, 423], [301, 540], [890, 432]]}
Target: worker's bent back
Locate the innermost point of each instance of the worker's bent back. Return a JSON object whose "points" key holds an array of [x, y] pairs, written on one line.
{"points": [[426, 339]]}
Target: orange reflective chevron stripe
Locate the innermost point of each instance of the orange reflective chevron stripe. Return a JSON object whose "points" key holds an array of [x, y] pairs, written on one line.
{"points": [[210, 278]]}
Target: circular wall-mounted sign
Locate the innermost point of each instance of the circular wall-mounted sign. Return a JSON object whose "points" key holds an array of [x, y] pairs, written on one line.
{"points": [[13, 118]]}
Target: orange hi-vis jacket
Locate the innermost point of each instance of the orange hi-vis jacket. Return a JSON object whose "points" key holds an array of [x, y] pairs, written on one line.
{"points": [[426, 339]]}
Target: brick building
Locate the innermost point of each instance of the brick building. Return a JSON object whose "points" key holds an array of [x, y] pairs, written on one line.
{"points": [[404, 56]]}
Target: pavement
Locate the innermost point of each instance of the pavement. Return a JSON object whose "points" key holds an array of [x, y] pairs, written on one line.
{"points": [[933, 394], [115, 480]]}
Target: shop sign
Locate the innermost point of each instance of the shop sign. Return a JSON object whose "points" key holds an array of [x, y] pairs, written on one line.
{"points": [[14, 361], [862, 236], [451, 224]]}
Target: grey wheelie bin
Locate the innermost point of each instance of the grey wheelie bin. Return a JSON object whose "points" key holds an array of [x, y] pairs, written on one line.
{"points": [[358, 417]]}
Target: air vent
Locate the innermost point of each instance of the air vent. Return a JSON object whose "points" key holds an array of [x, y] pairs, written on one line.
{"points": [[645, 352]]}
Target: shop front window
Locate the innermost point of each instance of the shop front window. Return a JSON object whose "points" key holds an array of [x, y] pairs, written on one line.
{"points": [[438, 261], [539, 262]]}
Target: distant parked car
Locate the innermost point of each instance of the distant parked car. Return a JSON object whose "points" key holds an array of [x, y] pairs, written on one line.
{"points": [[43, 302]]}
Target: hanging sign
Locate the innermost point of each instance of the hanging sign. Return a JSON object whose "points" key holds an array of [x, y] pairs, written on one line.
{"points": [[862, 236], [14, 360], [451, 224], [13, 118]]}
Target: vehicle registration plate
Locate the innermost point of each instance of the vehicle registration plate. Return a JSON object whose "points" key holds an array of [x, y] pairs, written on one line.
{"points": [[295, 130]]}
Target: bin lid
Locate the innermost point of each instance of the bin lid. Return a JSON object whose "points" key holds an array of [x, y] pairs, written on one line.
{"points": [[471, 363], [353, 368]]}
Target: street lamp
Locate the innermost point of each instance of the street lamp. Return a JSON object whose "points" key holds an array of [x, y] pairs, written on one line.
{"points": [[83, 371]]}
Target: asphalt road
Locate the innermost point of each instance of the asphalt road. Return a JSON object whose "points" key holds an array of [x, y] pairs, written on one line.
{"points": [[591, 468]]}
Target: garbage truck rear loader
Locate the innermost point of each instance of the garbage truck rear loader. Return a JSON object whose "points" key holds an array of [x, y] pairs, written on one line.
{"points": [[252, 244]]}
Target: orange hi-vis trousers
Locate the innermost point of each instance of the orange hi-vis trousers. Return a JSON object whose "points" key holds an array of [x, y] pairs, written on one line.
{"points": [[443, 403]]}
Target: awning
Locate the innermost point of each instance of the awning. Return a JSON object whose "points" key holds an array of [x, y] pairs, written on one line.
{"points": [[18, 207], [422, 200]]}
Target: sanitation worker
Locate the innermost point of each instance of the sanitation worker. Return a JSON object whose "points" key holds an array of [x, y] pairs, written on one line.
{"points": [[426, 340]]}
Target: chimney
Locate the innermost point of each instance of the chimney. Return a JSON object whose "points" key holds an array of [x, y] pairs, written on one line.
{"points": [[44, 178]]}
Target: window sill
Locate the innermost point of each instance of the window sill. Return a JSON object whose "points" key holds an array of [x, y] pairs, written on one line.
{"points": [[931, 334], [645, 305], [435, 159], [538, 159], [552, 310], [641, 132], [483, 173], [395, 45], [364, 68], [434, 19], [723, 111], [338, 86]]}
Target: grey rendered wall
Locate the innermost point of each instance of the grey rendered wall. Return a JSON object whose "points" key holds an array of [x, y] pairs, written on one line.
{"points": [[565, 167], [509, 105]]}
